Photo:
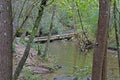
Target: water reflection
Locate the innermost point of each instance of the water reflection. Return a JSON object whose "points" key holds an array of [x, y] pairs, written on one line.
{"points": [[77, 64], [69, 57]]}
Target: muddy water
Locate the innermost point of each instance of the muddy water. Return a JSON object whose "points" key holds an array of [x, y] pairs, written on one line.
{"points": [[77, 64]]}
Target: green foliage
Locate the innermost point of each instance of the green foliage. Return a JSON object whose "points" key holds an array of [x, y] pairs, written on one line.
{"points": [[64, 13], [29, 75], [22, 41], [83, 73], [45, 24]]}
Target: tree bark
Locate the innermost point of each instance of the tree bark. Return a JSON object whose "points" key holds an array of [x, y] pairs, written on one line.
{"points": [[5, 40], [101, 40], [104, 66]]}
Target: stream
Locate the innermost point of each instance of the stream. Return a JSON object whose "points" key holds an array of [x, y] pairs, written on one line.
{"points": [[76, 65]]}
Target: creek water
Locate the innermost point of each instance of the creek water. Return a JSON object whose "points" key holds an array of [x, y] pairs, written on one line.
{"points": [[75, 64]]}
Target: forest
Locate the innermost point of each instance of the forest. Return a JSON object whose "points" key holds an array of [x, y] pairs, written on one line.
{"points": [[59, 39]]}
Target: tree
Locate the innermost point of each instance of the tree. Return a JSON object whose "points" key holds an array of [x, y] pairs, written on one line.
{"points": [[34, 32], [50, 32], [101, 40], [5, 40]]}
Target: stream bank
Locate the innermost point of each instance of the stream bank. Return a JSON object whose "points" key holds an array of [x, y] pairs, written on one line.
{"points": [[66, 60]]}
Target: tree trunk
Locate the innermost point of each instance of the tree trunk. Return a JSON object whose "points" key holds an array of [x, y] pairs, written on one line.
{"points": [[27, 49], [50, 31], [5, 40], [74, 16], [101, 40], [104, 66]]}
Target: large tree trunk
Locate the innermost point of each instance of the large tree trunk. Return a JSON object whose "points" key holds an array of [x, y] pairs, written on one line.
{"points": [[101, 40], [5, 40]]}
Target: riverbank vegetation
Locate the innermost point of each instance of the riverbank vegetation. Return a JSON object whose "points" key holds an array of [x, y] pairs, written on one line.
{"points": [[60, 40]]}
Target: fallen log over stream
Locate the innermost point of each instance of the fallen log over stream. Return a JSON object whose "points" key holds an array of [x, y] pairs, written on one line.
{"points": [[53, 37]]}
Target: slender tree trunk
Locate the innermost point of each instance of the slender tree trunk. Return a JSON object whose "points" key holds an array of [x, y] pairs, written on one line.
{"points": [[74, 16], [81, 22], [22, 26], [101, 40], [5, 40], [50, 31], [34, 31]]}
